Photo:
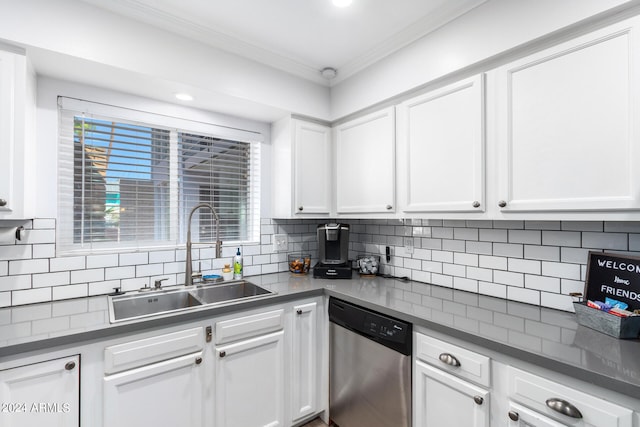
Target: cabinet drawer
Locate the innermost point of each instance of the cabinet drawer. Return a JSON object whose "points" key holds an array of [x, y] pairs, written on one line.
{"points": [[249, 326], [137, 353], [453, 359], [534, 391]]}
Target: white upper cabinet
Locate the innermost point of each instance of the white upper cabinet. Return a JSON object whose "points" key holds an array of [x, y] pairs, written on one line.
{"points": [[441, 150], [301, 169], [312, 168], [17, 124], [568, 125], [365, 164]]}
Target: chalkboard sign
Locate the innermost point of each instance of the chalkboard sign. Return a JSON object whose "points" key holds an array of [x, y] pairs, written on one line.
{"points": [[613, 276]]}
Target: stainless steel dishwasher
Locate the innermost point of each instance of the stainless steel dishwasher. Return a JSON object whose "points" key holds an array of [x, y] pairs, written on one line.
{"points": [[370, 367]]}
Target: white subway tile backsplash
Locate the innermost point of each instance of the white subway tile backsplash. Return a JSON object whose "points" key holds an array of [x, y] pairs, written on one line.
{"points": [[538, 262], [493, 262], [561, 238], [546, 253], [98, 261], [442, 256], [563, 270], [508, 250], [45, 250], [532, 237], [14, 252], [30, 296], [524, 265], [492, 289], [542, 283], [70, 291], [67, 263], [465, 259], [465, 233], [28, 266], [50, 279], [582, 225], [140, 258], [508, 278], [528, 296], [442, 232], [11, 283], [91, 275], [613, 241]]}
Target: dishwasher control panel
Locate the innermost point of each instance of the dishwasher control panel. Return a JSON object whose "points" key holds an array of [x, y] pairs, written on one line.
{"points": [[384, 327]]}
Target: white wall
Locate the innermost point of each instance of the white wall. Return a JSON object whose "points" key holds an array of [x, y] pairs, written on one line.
{"points": [[493, 28], [44, 165], [81, 35]]}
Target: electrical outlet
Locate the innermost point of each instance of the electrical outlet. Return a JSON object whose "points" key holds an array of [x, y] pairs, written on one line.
{"points": [[408, 245], [280, 243]]}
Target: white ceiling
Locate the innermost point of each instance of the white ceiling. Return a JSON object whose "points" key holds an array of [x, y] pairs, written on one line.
{"points": [[300, 37]]}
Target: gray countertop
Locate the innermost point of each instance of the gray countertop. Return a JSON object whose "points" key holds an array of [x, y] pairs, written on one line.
{"points": [[549, 338]]}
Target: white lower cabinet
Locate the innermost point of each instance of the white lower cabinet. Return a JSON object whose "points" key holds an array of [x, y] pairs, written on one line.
{"points": [[249, 371], [444, 400], [520, 416], [163, 394], [444, 395], [305, 355], [564, 404], [41, 394], [157, 381]]}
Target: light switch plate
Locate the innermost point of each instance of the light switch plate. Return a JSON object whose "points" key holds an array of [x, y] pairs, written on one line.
{"points": [[280, 243]]}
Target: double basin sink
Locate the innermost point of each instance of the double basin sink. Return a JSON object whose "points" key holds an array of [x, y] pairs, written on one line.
{"points": [[153, 303]]}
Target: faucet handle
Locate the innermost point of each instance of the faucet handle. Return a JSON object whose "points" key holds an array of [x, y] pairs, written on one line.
{"points": [[158, 283]]}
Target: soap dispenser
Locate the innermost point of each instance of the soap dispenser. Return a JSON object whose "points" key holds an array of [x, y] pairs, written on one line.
{"points": [[237, 265]]}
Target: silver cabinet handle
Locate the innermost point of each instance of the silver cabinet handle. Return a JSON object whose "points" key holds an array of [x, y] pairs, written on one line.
{"points": [[476, 204], [300, 208], [70, 366], [449, 359], [223, 353], [299, 311], [514, 416], [563, 407], [198, 360], [502, 203], [389, 207], [478, 399], [3, 202]]}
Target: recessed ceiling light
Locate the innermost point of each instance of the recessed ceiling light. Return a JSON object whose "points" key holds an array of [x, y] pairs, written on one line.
{"points": [[341, 3], [184, 97]]}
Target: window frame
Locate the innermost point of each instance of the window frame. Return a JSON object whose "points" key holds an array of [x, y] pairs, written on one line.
{"points": [[68, 108]]}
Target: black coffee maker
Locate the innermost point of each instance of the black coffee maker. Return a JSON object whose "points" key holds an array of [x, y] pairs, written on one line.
{"points": [[333, 252]]}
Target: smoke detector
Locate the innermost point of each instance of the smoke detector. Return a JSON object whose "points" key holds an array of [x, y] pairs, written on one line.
{"points": [[329, 73]]}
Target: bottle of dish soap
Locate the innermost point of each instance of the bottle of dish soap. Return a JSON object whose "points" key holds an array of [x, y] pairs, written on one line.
{"points": [[237, 265]]}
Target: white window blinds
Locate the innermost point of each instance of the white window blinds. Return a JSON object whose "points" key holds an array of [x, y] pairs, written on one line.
{"points": [[125, 183]]}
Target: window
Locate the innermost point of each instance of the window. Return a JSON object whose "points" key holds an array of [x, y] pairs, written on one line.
{"points": [[129, 179]]}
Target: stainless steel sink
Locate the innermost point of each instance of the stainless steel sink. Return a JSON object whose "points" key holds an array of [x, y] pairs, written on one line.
{"points": [[145, 304], [229, 292], [150, 303]]}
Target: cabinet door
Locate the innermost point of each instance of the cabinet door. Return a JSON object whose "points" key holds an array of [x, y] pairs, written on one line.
{"points": [[569, 128], [312, 168], [7, 131], [41, 394], [441, 149], [365, 162], [441, 399], [164, 394], [305, 380], [250, 382]]}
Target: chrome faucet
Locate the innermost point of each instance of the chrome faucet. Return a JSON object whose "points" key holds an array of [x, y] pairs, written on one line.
{"points": [[188, 271]]}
